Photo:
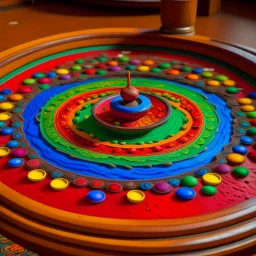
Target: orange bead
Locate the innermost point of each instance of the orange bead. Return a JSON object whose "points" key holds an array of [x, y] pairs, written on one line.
{"points": [[148, 62], [113, 63], [192, 77], [15, 97], [173, 72]]}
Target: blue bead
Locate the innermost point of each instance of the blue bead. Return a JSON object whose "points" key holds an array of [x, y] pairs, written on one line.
{"points": [[174, 182], [241, 131], [197, 70], [12, 144], [51, 74], [17, 135], [245, 124], [2, 124], [56, 174], [37, 75], [252, 95], [241, 114], [240, 149], [201, 172], [16, 110], [6, 91], [16, 125], [146, 186], [2, 97], [185, 193], [96, 196], [7, 131], [200, 83], [222, 161], [15, 162], [246, 140]]}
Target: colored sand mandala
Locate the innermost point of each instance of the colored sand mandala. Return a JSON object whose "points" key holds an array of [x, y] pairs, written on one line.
{"points": [[209, 130]]}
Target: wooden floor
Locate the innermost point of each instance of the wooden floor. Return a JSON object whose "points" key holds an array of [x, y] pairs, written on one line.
{"points": [[236, 23]]}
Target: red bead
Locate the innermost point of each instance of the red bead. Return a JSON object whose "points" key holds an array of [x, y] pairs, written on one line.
{"points": [[157, 148], [131, 150], [32, 164], [89, 71], [253, 121], [101, 65], [95, 144], [75, 74], [81, 182], [114, 188], [44, 80], [117, 150], [25, 89], [97, 184], [183, 139], [252, 155]]}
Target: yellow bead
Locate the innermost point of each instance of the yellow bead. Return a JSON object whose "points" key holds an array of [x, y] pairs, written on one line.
{"points": [[247, 108], [235, 158], [212, 179], [62, 71], [15, 97], [244, 101], [143, 68], [148, 62], [5, 116], [213, 83], [6, 106], [229, 82]]}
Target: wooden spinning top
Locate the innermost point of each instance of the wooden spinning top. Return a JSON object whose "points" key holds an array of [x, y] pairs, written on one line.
{"points": [[129, 94]]}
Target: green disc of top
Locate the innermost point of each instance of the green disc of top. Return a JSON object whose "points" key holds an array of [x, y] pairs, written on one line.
{"points": [[251, 131], [209, 190], [221, 78], [131, 67], [29, 81], [155, 70], [124, 58], [164, 65], [44, 86], [189, 181], [101, 72], [102, 59], [251, 114], [240, 171], [232, 90], [76, 67], [186, 69], [207, 74], [80, 61]]}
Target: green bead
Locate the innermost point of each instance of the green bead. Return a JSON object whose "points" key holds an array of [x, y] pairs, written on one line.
{"points": [[76, 67], [221, 78], [87, 99], [184, 120], [101, 72], [232, 90], [39, 75], [164, 65], [29, 81], [131, 67], [124, 59], [123, 142], [116, 123], [186, 69], [141, 143], [76, 120], [251, 131], [92, 60], [94, 96], [102, 59], [150, 142], [183, 127], [79, 61], [103, 95], [174, 62], [155, 70], [114, 141], [240, 171], [189, 181], [245, 124], [206, 74], [251, 114], [209, 190], [44, 86], [86, 117], [240, 114]]}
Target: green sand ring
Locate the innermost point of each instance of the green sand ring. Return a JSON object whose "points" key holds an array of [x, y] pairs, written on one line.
{"points": [[210, 126]]}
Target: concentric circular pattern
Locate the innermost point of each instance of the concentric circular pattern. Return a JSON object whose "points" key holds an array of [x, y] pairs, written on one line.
{"points": [[210, 129]]}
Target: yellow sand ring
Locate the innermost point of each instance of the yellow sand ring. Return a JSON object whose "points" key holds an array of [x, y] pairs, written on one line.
{"points": [[5, 116], [59, 184], [212, 179], [37, 175], [4, 151], [135, 196]]}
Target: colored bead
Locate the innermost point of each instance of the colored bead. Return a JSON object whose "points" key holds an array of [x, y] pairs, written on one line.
{"points": [[76, 67], [97, 184], [162, 187], [240, 131], [146, 186], [247, 108], [251, 114], [197, 70], [15, 162], [213, 83], [251, 131], [240, 149], [223, 168], [7, 131], [201, 172], [209, 190], [115, 68], [164, 65], [157, 148], [189, 181], [44, 80], [135, 196], [17, 135], [221, 78], [19, 152], [235, 158], [29, 81], [192, 77], [6, 106], [212, 179], [38, 75], [240, 114], [244, 101], [252, 95], [252, 155], [101, 65], [253, 121], [232, 90], [56, 174], [65, 77], [229, 83], [148, 62], [113, 63], [246, 140], [173, 72], [2, 97], [80, 182], [131, 150], [2, 124], [143, 68], [240, 171], [25, 89], [79, 61], [101, 72], [135, 62], [124, 59], [12, 144], [207, 74], [156, 70], [185, 193], [89, 71], [174, 182], [186, 69], [114, 188], [15, 97], [96, 196], [44, 86], [32, 164], [245, 124], [62, 71], [51, 74], [131, 67]]}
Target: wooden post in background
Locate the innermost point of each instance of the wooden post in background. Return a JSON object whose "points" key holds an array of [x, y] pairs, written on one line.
{"points": [[178, 16]]}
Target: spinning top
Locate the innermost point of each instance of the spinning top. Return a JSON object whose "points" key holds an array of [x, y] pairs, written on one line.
{"points": [[129, 93]]}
